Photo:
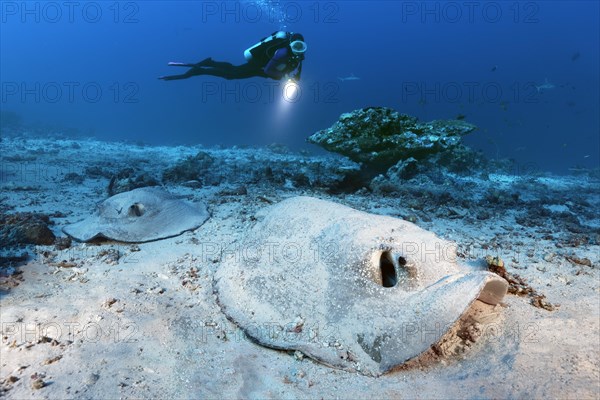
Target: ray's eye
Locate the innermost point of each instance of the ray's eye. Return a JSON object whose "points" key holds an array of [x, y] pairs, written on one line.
{"points": [[136, 210], [394, 270], [389, 277]]}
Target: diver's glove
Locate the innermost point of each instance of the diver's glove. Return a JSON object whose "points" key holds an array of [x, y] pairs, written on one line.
{"points": [[289, 77]]}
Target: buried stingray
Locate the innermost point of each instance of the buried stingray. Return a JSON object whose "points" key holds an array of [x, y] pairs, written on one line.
{"points": [[353, 290], [140, 215]]}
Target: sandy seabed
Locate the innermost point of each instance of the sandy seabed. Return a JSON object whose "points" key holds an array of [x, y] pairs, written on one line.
{"points": [[114, 320]]}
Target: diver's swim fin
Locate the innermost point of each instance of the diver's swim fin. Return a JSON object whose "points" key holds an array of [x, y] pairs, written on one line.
{"points": [[202, 63], [178, 64], [173, 77], [206, 62]]}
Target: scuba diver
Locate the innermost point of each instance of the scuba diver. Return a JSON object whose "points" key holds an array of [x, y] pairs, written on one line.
{"points": [[276, 57]]}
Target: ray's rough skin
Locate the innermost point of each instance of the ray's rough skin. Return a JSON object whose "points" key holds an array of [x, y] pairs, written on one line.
{"points": [[140, 215], [378, 137], [353, 290]]}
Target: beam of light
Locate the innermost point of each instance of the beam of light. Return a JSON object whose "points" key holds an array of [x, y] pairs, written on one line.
{"points": [[290, 94], [291, 91]]}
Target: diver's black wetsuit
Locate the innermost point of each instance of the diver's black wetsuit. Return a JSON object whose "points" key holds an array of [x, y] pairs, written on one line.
{"points": [[276, 64], [219, 68]]}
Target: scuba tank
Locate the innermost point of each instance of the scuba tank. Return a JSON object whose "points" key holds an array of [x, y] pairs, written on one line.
{"points": [[266, 48]]}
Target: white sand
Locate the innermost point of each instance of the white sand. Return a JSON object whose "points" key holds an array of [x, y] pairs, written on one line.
{"points": [[149, 326]]}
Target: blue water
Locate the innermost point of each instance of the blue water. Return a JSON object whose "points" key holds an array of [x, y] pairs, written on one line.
{"points": [[92, 68]]}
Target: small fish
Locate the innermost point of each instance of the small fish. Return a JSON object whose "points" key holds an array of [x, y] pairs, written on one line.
{"points": [[575, 56], [545, 86], [460, 117], [494, 68], [521, 148], [349, 78], [586, 156]]}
